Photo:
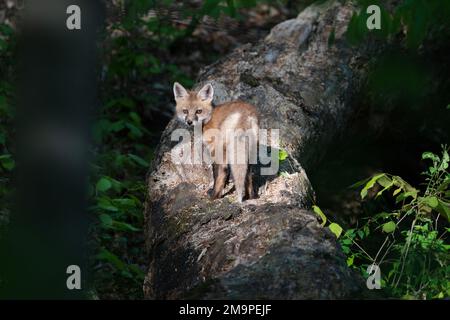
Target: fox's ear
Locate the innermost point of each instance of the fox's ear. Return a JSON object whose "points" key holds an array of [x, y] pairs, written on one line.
{"points": [[179, 91], [206, 93]]}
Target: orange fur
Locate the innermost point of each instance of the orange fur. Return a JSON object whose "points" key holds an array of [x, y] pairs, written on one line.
{"points": [[237, 117]]}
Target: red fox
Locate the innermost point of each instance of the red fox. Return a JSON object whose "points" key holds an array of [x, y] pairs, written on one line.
{"points": [[229, 129]]}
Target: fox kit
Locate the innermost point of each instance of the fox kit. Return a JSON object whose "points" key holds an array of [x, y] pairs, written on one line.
{"points": [[230, 130]]}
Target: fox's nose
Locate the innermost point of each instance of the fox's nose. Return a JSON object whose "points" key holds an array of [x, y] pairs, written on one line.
{"points": [[189, 122]]}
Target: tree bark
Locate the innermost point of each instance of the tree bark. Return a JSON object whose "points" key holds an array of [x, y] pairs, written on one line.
{"points": [[302, 78]]}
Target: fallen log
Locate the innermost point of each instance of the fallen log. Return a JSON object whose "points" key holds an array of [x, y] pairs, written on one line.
{"points": [[272, 247]]}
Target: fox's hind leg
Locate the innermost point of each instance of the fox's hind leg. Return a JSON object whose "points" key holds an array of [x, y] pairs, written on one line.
{"points": [[249, 191], [220, 178], [239, 172]]}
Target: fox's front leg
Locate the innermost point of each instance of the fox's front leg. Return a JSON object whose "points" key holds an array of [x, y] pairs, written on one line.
{"points": [[220, 178]]}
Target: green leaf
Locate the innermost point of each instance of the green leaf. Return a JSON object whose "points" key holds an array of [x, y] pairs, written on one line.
{"points": [[7, 162], [122, 226], [246, 3], [284, 174], [366, 230], [359, 183], [140, 60], [430, 155], [336, 229], [117, 126], [405, 195], [106, 205], [135, 117], [126, 102], [360, 234], [111, 258], [106, 220], [126, 202], [444, 209], [319, 212], [440, 295], [135, 131], [355, 29], [382, 215], [282, 155], [389, 227], [209, 6], [431, 201], [346, 242], [350, 260], [231, 8], [139, 273], [370, 184], [386, 183], [445, 160], [104, 184], [139, 160]]}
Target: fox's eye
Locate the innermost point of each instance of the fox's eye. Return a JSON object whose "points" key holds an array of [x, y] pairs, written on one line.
{"points": [[185, 111], [198, 111]]}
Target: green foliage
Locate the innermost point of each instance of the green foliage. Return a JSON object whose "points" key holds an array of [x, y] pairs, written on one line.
{"points": [[320, 213], [118, 193], [335, 228], [414, 255], [7, 162], [282, 155], [126, 270], [8, 47], [418, 18]]}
